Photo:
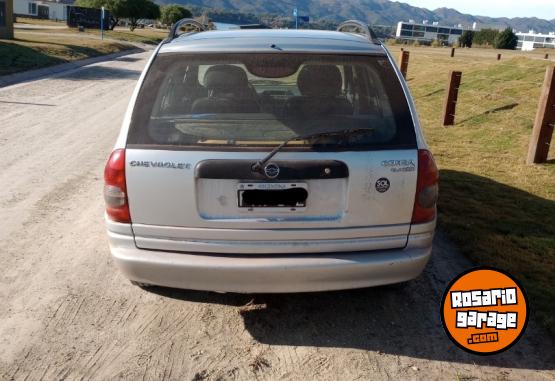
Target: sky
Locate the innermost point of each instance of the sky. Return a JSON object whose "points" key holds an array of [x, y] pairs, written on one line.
{"points": [[544, 9]]}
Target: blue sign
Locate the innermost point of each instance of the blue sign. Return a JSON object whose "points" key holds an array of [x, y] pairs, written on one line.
{"points": [[304, 18]]}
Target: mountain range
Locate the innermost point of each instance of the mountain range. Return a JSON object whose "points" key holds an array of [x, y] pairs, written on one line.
{"points": [[375, 12]]}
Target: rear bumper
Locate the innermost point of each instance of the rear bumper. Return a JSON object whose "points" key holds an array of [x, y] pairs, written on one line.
{"points": [[272, 273]]}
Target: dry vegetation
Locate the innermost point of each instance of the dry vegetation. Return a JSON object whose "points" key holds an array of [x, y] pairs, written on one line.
{"points": [[500, 211], [33, 21], [145, 36], [36, 50], [40, 46]]}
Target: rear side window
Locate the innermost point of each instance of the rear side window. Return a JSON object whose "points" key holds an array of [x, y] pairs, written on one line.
{"points": [[257, 100]]}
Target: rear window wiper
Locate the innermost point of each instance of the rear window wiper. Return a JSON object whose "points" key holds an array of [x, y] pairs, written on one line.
{"points": [[259, 165]]}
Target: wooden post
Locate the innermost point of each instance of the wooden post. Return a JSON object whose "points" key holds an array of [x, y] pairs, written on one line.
{"points": [[545, 121], [451, 98], [404, 63], [452, 52], [499, 57], [6, 28], [546, 56]]}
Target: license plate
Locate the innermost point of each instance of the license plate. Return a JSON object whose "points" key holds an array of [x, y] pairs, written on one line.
{"points": [[272, 195]]}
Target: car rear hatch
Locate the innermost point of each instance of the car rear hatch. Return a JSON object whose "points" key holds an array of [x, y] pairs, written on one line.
{"points": [[191, 184]]}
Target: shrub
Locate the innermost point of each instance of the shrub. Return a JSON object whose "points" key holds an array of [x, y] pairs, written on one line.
{"points": [[466, 39], [506, 40]]}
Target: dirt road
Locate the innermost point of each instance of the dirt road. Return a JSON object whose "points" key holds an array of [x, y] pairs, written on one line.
{"points": [[67, 313]]}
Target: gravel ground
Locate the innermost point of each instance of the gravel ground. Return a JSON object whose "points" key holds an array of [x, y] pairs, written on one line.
{"points": [[67, 313]]}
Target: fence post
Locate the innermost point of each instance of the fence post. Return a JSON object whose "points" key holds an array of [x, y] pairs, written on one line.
{"points": [[404, 63], [546, 56], [452, 52], [498, 56], [545, 121], [451, 98]]}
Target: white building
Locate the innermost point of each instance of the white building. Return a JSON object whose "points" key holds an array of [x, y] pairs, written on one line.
{"points": [[426, 33], [44, 9], [532, 40]]}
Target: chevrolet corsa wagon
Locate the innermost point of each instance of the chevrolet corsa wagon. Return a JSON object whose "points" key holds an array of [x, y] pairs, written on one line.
{"points": [[271, 161]]}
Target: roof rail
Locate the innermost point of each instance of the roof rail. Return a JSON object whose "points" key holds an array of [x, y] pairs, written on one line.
{"points": [[358, 27], [181, 23]]}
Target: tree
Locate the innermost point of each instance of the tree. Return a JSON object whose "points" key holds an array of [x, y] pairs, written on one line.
{"points": [[506, 40], [140, 9], [117, 10], [172, 13], [134, 10], [152, 11], [465, 41]]}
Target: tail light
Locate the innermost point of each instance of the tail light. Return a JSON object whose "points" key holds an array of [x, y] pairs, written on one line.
{"points": [[115, 190], [426, 188]]}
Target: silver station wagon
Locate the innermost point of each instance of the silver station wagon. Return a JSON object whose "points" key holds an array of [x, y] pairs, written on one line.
{"points": [[271, 161]]}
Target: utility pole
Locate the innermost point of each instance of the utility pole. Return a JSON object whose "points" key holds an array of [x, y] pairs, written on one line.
{"points": [[296, 14]]}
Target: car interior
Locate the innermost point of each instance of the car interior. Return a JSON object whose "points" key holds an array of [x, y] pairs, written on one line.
{"points": [[318, 90]]}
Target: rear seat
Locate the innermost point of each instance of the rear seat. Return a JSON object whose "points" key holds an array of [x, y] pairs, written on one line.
{"points": [[320, 86]]}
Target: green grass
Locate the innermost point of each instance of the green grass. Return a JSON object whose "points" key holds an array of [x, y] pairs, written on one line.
{"points": [[497, 209], [32, 51]]}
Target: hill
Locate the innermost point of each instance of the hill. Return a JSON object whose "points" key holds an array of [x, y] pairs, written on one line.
{"points": [[377, 12]]}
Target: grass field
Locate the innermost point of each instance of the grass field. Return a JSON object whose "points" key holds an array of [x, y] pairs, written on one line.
{"points": [[37, 44], [144, 36], [26, 20], [497, 209], [33, 51]]}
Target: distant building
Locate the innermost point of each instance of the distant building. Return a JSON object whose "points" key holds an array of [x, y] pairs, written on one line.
{"points": [[6, 19], [425, 32], [42, 9], [532, 40]]}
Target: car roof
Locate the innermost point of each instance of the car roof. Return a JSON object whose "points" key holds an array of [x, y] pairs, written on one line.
{"points": [[272, 41]]}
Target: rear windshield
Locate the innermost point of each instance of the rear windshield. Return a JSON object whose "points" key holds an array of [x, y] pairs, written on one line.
{"points": [[259, 100]]}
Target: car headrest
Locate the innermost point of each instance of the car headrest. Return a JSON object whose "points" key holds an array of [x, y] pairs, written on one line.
{"points": [[320, 81], [225, 77]]}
